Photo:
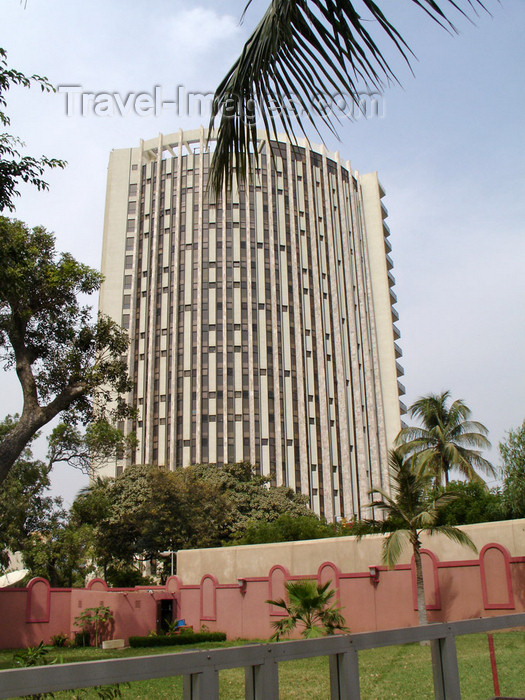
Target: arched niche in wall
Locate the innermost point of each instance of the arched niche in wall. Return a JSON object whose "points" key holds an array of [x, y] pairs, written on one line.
{"points": [[496, 584], [38, 600], [97, 584], [209, 597], [429, 562], [277, 578], [328, 571], [173, 584]]}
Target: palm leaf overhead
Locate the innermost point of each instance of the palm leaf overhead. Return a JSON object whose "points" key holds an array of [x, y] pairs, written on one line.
{"points": [[446, 438], [299, 51]]}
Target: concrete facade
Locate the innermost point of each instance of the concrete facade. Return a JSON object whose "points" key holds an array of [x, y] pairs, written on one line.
{"points": [[262, 325]]}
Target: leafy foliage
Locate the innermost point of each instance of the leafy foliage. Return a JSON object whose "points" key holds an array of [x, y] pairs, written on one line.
{"points": [[53, 544], [59, 552], [310, 607], [512, 451], [14, 167], [38, 656], [250, 497], [66, 363], [445, 439], [473, 503], [413, 507], [97, 622], [24, 506], [288, 529], [148, 510], [301, 53], [88, 450], [60, 640], [35, 656]]}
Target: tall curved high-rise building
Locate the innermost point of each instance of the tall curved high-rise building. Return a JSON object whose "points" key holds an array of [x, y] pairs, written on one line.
{"points": [[262, 325]]}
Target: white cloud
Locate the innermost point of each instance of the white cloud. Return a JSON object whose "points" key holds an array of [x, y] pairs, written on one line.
{"points": [[202, 43]]}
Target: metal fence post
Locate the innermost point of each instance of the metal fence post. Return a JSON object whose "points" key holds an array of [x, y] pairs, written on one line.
{"points": [[445, 668], [201, 686], [344, 676]]}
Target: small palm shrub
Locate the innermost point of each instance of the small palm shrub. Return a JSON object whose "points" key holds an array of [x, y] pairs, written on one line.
{"points": [[310, 607]]}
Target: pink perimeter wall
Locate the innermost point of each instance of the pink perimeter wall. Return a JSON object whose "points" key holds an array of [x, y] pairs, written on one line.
{"points": [[491, 584]]}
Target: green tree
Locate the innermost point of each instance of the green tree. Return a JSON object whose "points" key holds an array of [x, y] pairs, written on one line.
{"points": [[65, 362], [310, 607], [147, 510], [446, 438], [512, 451], [90, 449], [301, 53], [24, 506], [473, 503], [59, 552], [14, 167], [97, 622], [250, 496], [413, 508], [287, 528]]}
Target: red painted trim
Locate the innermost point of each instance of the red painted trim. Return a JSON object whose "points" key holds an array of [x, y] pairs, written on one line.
{"points": [[331, 565], [458, 563], [517, 560], [90, 584], [436, 605], [509, 604], [256, 579], [29, 589], [178, 585], [213, 616], [336, 575], [275, 611]]}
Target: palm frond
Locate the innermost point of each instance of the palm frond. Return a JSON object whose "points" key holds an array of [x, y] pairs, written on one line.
{"points": [[393, 546], [424, 519], [454, 534], [299, 51]]}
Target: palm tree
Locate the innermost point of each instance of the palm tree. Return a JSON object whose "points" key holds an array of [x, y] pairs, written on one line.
{"points": [[308, 606], [412, 507], [301, 51], [445, 439]]}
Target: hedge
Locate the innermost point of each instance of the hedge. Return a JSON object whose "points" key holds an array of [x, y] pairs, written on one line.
{"points": [[156, 640]]}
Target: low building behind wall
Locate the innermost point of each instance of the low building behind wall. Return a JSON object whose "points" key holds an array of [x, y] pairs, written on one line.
{"points": [[38, 612], [227, 589]]}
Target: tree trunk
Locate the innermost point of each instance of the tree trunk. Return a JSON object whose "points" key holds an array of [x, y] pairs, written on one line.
{"points": [[15, 441], [420, 585], [32, 419]]}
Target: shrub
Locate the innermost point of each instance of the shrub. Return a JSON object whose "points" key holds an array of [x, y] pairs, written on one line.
{"points": [[183, 638], [98, 622], [82, 639], [60, 640]]}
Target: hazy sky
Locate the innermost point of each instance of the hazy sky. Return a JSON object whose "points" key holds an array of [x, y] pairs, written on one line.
{"points": [[448, 145]]}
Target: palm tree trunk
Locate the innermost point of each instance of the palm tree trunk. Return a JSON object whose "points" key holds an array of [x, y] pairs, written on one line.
{"points": [[420, 586]]}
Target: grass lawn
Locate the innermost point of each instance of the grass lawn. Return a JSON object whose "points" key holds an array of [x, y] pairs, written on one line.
{"points": [[390, 672]]}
